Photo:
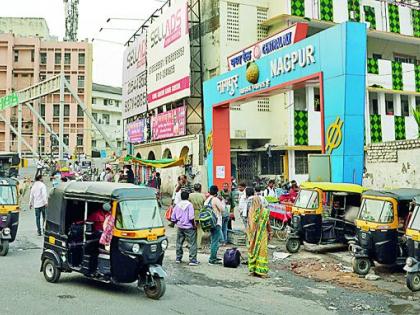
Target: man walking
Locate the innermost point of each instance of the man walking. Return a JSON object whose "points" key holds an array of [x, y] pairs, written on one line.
{"points": [[38, 200], [216, 232], [183, 217], [197, 199], [39, 166], [229, 214]]}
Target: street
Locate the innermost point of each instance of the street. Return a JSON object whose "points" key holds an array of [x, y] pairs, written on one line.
{"points": [[203, 289]]}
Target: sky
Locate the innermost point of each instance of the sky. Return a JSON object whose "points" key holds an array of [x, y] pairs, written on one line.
{"points": [[93, 14]]}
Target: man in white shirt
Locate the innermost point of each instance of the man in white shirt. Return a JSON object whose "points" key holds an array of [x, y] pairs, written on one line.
{"points": [[38, 200], [39, 166], [270, 191], [216, 232], [242, 201]]}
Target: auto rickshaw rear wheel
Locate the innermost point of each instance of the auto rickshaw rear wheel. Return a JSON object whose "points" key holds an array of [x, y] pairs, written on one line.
{"points": [[4, 248], [157, 289], [292, 245], [361, 266], [413, 281], [51, 272]]}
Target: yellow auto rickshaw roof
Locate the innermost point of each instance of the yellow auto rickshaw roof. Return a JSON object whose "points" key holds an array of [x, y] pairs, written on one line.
{"points": [[339, 187]]}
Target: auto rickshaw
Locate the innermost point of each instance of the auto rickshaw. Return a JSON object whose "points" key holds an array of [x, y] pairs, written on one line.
{"points": [[323, 213], [71, 240], [381, 223], [9, 213], [412, 234]]}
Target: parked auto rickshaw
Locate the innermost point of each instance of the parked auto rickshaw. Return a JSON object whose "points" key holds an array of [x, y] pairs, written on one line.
{"points": [[412, 233], [381, 224], [136, 251], [9, 213], [324, 213]]}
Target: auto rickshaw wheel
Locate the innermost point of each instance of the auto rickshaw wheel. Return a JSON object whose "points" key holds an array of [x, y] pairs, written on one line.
{"points": [[413, 281], [51, 272], [4, 248], [157, 290], [292, 245], [361, 266]]}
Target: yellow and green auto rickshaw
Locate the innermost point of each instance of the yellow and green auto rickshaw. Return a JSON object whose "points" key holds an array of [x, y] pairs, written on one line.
{"points": [[72, 236], [412, 233], [324, 213], [381, 224], [9, 213]]}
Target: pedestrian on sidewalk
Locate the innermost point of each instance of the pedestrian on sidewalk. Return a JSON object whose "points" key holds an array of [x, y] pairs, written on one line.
{"points": [[264, 201], [230, 205], [39, 167], [183, 217], [197, 199], [216, 232], [247, 201], [38, 200], [270, 191], [242, 199]]}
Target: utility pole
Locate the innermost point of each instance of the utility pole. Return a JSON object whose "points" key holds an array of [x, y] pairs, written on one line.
{"points": [[61, 120], [19, 146]]}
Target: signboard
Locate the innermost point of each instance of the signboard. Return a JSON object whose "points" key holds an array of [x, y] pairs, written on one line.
{"points": [[9, 101], [168, 56], [269, 45], [134, 89], [169, 124], [137, 131]]}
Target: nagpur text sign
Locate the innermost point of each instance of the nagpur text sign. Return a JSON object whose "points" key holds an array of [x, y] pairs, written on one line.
{"points": [[168, 56], [169, 124], [135, 78]]}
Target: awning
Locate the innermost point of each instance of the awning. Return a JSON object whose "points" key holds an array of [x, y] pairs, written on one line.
{"points": [[163, 163]]}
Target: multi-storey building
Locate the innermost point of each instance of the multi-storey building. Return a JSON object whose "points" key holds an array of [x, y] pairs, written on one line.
{"points": [[26, 59], [290, 123], [106, 109]]}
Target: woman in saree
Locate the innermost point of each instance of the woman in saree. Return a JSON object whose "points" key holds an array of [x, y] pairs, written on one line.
{"points": [[259, 233]]}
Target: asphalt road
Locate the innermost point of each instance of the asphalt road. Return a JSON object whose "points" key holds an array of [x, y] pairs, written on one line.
{"points": [[190, 290]]}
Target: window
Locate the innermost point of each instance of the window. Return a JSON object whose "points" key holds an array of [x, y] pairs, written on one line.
{"points": [[414, 223], [67, 77], [118, 122], [376, 56], [95, 116], [129, 218], [373, 103], [106, 101], [79, 111], [317, 100], [307, 199], [80, 81], [378, 211], [66, 139], [79, 139], [42, 110], [57, 58], [67, 58], [263, 105], [93, 100], [232, 22], [262, 31], [389, 104], [300, 99], [81, 58], [66, 110], [405, 58], [42, 77], [16, 55], [43, 58], [405, 109], [301, 162], [93, 143], [273, 164], [32, 55], [105, 118], [56, 110]]}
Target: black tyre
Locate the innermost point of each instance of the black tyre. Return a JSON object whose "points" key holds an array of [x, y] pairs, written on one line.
{"points": [[413, 281], [51, 272], [292, 245], [157, 290], [4, 248], [361, 266]]}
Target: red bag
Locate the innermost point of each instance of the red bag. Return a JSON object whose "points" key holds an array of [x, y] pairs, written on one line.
{"points": [[168, 213]]}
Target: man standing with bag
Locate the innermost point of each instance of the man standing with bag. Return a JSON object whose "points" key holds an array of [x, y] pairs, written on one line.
{"points": [[216, 231], [197, 199], [38, 200]]}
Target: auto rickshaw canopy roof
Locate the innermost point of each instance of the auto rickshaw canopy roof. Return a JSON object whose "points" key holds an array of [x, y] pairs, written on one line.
{"points": [[339, 187], [401, 194]]}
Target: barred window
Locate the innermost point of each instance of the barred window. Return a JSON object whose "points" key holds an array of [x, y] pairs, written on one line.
{"points": [[301, 162], [262, 31], [263, 105], [233, 22]]}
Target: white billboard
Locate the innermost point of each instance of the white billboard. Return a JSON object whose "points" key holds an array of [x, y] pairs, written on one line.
{"points": [[168, 56], [135, 78]]}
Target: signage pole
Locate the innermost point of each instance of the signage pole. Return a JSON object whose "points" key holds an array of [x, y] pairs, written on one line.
{"points": [[61, 120], [19, 130]]}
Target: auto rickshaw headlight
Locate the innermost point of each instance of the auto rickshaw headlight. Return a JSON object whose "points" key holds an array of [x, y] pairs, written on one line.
{"points": [[409, 262], [164, 244], [6, 231], [136, 248]]}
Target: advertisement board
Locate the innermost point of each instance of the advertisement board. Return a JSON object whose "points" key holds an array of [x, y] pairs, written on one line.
{"points": [[169, 124], [135, 78], [168, 56], [137, 131], [269, 45]]}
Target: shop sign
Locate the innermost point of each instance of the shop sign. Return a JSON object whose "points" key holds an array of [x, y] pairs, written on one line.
{"points": [[9, 101], [169, 124], [269, 45], [134, 87], [137, 131], [168, 51]]}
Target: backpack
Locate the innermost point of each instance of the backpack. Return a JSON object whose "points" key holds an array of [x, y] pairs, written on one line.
{"points": [[232, 258], [207, 217]]}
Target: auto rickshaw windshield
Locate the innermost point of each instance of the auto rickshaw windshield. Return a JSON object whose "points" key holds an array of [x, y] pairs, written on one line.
{"points": [[138, 215], [8, 195], [307, 199], [414, 224], [379, 211]]}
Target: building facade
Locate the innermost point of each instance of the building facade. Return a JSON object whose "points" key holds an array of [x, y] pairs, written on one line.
{"points": [[106, 109], [26, 60]]}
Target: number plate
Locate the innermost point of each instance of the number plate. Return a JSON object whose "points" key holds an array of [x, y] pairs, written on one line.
{"points": [[152, 237]]}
